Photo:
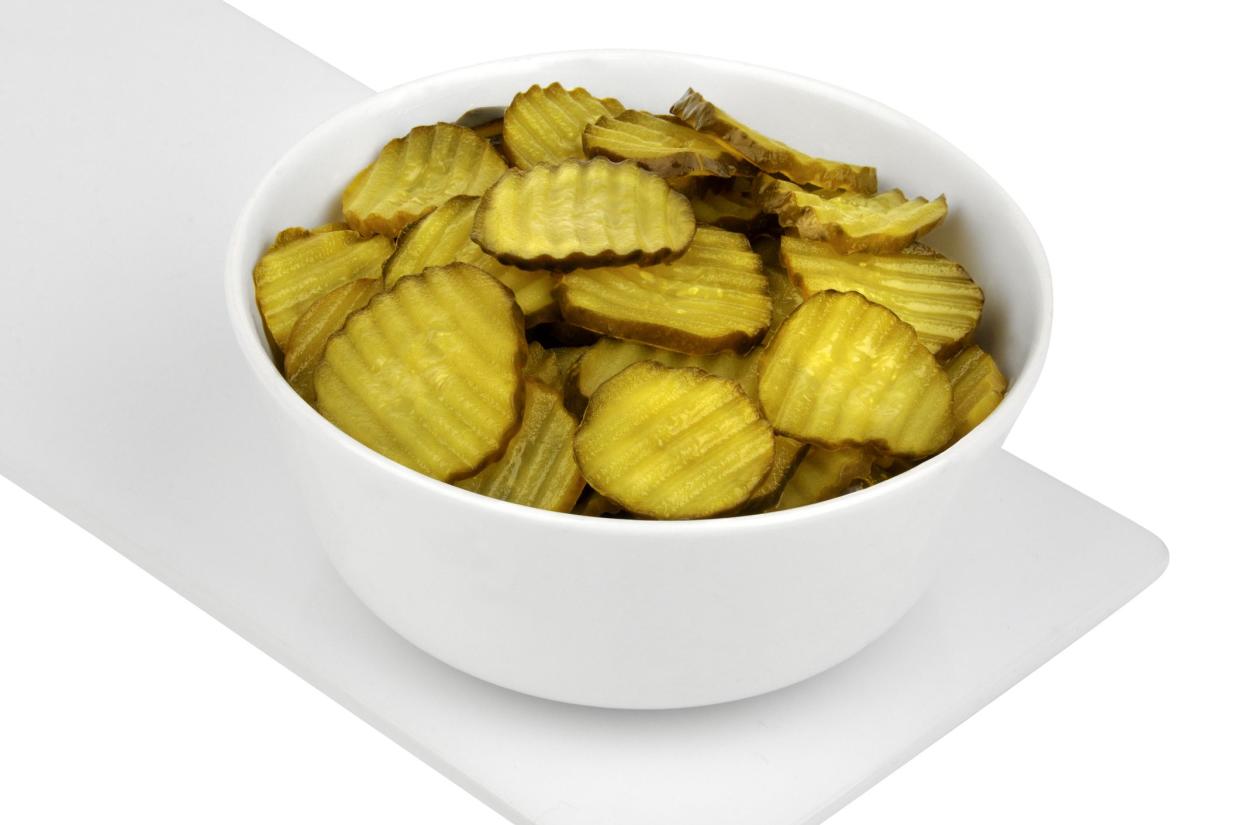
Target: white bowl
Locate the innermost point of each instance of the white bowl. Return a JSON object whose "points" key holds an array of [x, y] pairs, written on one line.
{"points": [[641, 614]]}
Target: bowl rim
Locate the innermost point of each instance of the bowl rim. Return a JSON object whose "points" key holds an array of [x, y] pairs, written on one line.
{"points": [[991, 432]]}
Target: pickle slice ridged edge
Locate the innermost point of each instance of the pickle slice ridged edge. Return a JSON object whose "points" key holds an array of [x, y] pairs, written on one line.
{"points": [[769, 154]]}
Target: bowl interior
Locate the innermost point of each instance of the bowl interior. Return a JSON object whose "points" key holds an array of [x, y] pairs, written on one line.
{"points": [[985, 230]]}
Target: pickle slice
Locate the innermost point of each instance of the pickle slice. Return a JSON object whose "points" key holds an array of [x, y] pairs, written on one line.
{"points": [[609, 356], [583, 214], [429, 373], [538, 467], [317, 324], [712, 298], [303, 265], [978, 387], [842, 371], [887, 222], [788, 454], [925, 289], [826, 474], [544, 124], [772, 155], [785, 296], [541, 364], [415, 174], [667, 147], [673, 443], [443, 237]]}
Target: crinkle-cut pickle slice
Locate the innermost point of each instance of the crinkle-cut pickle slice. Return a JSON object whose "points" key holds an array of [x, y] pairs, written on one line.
{"points": [[978, 388], [429, 373], [608, 356], [667, 147], [673, 443], [443, 237], [583, 214], [544, 124], [925, 289], [712, 298], [415, 174], [303, 265], [887, 222], [842, 371], [771, 155], [825, 474], [785, 296], [317, 324], [538, 468], [788, 454]]}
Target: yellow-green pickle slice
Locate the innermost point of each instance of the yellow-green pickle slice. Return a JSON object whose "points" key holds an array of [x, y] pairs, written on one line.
{"points": [[787, 456], [303, 265], [583, 214], [826, 474], [842, 371], [925, 289], [415, 174], [311, 332], [429, 373], [731, 208], [544, 124], [667, 147], [771, 155], [673, 443], [713, 298], [609, 356], [887, 222], [978, 388], [538, 467], [443, 237]]}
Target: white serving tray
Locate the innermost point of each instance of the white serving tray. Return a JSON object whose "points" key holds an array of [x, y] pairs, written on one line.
{"points": [[124, 405]]}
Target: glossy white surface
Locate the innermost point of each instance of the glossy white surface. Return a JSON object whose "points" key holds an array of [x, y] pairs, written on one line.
{"points": [[641, 614], [175, 467]]}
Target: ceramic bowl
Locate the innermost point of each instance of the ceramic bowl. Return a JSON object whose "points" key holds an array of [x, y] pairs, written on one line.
{"points": [[641, 614]]}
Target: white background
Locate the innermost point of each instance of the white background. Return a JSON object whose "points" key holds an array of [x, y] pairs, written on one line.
{"points": [[1112, 128]]}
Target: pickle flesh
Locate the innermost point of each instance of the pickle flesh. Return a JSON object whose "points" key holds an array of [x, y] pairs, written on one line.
{"points": [[978, 388]]}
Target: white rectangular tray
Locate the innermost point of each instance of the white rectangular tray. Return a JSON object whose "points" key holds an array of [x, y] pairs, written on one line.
{"points": [[126, 407]]}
